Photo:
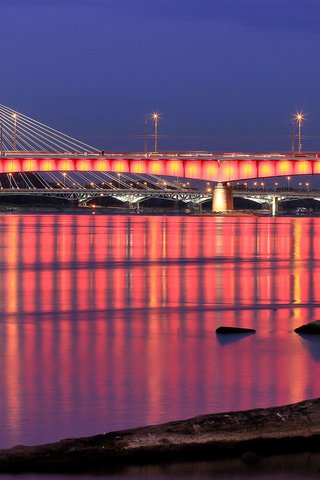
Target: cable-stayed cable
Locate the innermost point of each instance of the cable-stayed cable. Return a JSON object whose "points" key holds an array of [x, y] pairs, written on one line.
{"points": [[18, 132]]}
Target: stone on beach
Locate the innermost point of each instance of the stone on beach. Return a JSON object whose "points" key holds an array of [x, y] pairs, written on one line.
{"points": [[262, 432]]}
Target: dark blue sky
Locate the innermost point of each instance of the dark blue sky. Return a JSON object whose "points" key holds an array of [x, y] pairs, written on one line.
{"points": [[224, 74]]}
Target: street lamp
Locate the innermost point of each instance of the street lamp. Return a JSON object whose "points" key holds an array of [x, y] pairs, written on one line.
{"points": [[119, 175], [14, 116], [146, 134], [292, 137], [299, 119], [288, 180], [155, 117], [307, 185], [275, 185]]}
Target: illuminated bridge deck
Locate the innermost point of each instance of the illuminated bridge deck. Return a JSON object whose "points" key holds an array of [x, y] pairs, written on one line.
{"points": [[219, 167]]}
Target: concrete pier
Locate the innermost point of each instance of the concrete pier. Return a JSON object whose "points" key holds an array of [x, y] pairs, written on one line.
{"points": [[275, 206], [222, 198]]}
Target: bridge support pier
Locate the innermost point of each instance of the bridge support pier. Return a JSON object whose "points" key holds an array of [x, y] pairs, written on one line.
{"points": [[275, 206], [222, 198]]}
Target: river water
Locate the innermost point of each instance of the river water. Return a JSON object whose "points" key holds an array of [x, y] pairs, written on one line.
{"points": [[108, 322]]}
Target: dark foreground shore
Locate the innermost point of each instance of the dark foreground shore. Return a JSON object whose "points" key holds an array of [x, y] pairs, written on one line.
{"points": [[247, 436]]}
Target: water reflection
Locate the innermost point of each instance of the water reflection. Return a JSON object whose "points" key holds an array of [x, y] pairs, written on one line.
{"points": [[312, 344], [236, 337], [118, 262], [108, 321]]}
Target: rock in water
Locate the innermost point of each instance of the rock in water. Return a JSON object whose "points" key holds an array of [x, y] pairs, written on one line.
{"points": [[224, 329], [250, 458], [312, 327]]}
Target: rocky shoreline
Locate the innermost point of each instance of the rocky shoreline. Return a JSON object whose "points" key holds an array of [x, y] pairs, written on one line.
{"points": [[248, 436]]}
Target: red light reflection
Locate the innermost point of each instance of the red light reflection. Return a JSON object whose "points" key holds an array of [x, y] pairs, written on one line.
{"points": [[109, 321]]}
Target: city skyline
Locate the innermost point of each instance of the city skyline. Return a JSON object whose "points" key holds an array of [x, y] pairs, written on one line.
{"points": [[223, 75]]}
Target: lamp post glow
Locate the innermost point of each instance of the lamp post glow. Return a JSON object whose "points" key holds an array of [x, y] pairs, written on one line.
{"points": [[155, 117], [292, 137], [14, 116], [299, 118], [145, 136], [288, 180]]}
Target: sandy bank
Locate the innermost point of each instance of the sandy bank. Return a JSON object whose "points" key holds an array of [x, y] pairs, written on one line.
{"points": [[270, 431]]}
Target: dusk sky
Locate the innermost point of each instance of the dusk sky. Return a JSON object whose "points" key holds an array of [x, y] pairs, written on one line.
{"points": [[225, 75]]}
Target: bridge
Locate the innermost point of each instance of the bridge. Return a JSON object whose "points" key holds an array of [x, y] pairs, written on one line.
{"points": [[28, 146], [193, 165], [133, 197]]}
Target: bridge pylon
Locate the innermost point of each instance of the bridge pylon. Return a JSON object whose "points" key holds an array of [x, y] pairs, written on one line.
{"points": [[275, 206], [222, 197]]}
